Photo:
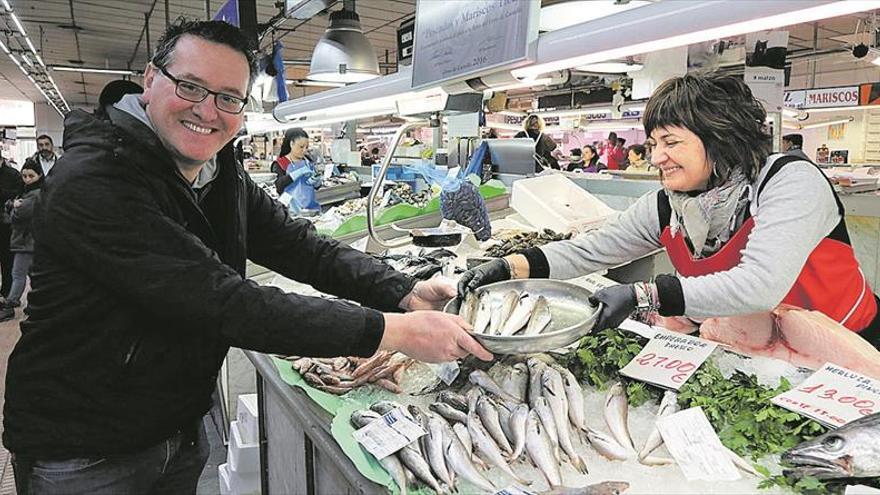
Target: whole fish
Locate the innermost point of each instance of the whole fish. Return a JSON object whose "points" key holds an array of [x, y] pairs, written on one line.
{"points": [[469, 307], [851, 451], [603, 488], [575, 395], [541, 451], [385, 406], [488, 413], [741, 463], [484, 381], [459, 460], [616, 413], [520, 315], [668, 405], [515, 381], [484, 314], [504, 419], [486, 447], [495, 320], [461, 431], [448, 412], [540, 318], [434, 450], [419, 416], [653, 460], [455, 400], [536, 371], [607, 446], [391, 463], [542, 409], [507, 305], [554, 391], [472, 396], [517, 422], [412, 458]]}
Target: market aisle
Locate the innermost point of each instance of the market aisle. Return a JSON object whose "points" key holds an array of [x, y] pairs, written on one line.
{"points": [[8, 337]]}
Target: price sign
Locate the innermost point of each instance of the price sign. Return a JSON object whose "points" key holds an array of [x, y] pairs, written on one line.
{"points": [[833, 396], [669, 359], [389, 434]]}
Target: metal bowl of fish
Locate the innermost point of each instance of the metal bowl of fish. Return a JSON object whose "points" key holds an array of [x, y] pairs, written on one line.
{"points": [[527, 316]]}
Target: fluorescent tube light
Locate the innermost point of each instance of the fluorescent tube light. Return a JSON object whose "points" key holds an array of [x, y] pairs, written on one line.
{"points": [[840, 109], [17, 23], [319, 84], [6, 4], [611, 67], [26, 59], [825, 124], [673, 23], [95, 70], [565, 14], [3, 46]]}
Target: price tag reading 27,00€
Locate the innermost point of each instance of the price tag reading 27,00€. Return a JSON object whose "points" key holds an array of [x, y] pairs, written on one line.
{"points": [[669, 359]]}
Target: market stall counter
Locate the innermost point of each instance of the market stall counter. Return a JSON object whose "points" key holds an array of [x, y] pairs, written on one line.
{"points": [[297, 451]]}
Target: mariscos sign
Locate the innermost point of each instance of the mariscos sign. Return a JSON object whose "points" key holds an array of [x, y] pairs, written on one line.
{"points": [[844, 96]]}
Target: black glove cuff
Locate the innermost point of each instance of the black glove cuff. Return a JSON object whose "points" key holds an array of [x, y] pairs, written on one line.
{"points": [[670, 294], [538, 265]]}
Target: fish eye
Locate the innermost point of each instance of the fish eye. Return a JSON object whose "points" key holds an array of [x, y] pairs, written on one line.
{"points": [[833, 443]]}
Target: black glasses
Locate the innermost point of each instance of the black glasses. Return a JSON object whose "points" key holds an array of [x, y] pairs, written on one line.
{"points": [[195, 93]]}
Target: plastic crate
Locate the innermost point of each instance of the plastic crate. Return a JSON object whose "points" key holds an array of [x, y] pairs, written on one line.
{"points": [[556, 202]]}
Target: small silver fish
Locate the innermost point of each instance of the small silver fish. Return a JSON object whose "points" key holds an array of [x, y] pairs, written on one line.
{"points": [[536, 371], [668, 405], [413, 460], [488, 413], [542, 409], [517, 423], [741, 463], [469, 308], [484, 314], [554, 391], [616, 413], [520, 315], [488, 449], [461, 431], [541, 451], [504, 419], [575, 395], [434, 450], [448, 412], [386, 406], [455, 400], [607, 446], [459, 460], [484, 381], [540, 318], [515, 381]]}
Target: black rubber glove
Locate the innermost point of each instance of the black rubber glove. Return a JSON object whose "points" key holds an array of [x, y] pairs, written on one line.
{"points": [[487, 273], [620, 302]]}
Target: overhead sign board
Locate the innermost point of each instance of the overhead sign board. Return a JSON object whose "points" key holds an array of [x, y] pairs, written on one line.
{"points": [[460, 40], [843, 96]]}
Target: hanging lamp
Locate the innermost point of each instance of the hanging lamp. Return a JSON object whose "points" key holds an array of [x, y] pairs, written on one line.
{"points": [[344, 54]]}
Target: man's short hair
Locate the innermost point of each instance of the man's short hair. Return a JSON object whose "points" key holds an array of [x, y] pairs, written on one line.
{"points": [[46, 136], [794, 139], [214, 31], [621, 142]]}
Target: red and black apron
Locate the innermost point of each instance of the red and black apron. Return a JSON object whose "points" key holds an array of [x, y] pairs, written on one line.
{"points": [[831, 280]]}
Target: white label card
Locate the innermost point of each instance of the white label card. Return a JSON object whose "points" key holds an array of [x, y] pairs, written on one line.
{"points": [[669, 359], [695, 446], [860, 490], [387, 435], [833, 396], [638, 328]]}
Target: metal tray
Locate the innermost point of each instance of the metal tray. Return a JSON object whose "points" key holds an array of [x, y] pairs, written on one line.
{"points": [[572, 316]]}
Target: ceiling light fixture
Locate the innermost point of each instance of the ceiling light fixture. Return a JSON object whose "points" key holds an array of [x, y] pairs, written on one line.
{"points": [[669, 24], [6, 5], [93, 70], [611, 67], [17, 23], [529, 83], [825, 124], [344, 54], [318, 84], [563, 14]]}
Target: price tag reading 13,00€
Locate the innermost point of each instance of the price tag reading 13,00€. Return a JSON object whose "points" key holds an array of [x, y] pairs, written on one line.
{"points": [[669, 359], [833, 395]]}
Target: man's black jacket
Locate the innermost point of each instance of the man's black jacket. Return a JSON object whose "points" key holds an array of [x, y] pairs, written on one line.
{"points": [[139, 290]]}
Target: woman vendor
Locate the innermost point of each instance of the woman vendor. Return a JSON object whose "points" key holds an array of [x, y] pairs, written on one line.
{"points": [[293, 166], [745, 229]]}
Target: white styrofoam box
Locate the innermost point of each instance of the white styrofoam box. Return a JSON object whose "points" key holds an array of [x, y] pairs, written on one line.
{"points": [[242, 457], [247, 418], [223, 475], [556, 202], [242, 483]]}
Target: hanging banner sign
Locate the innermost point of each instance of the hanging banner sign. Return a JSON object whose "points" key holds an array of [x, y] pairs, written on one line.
{"points": [[844, 96], [461, 40], [228, 13]]}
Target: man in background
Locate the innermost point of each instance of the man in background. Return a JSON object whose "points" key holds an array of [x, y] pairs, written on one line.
{"points": [[793, 144], [45, 155]]}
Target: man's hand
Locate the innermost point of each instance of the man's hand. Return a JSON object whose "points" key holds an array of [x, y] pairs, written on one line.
{"points": [[487, 273], [430, 336], [620, 302], [429, 294]]}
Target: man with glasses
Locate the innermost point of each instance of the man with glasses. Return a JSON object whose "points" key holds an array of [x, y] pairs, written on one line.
{"points": [[139, 287]]}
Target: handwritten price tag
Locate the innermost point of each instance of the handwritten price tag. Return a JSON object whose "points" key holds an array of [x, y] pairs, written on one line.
{"points": [[693, 443], [669, 359], [389, 434], [833, 396]]}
